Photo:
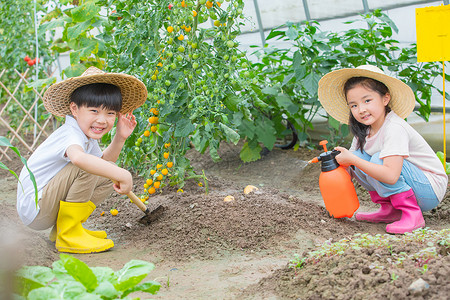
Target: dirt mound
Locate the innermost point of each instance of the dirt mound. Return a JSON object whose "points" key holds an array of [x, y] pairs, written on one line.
{"points": [[201, 226]]}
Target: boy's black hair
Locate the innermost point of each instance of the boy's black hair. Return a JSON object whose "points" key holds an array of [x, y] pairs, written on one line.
{"points": [[98, 95], [360, 130]]}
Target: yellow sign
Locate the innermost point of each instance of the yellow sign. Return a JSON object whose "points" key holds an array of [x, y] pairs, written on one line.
{"points": [[433, 33]]}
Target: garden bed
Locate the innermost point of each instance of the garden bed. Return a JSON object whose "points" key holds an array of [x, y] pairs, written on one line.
{"points": [[206, 248]]}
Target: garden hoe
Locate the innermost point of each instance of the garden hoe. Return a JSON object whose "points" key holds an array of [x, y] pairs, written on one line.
{"points": [[150, 216]]}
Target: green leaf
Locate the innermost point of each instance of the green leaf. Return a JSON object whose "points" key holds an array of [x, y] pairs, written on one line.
{"points": [[40, 274], [103, 273], [333, 123], [259, 103], [247, 128], [25, 285], [292, 33], [79, 271], [73, 71], [43, 293], [311, 83], [76, 30], [132, 273], [249, 154], [107, 290], [53, 24], [231, 135], [286, 103], [275, 33], [5, 142], [297, 60], [39, 84], [265, 132], [214, 153], [232, 102], [440, 155], [149, 287], [184, 128], [270, 91], [86, 11]]}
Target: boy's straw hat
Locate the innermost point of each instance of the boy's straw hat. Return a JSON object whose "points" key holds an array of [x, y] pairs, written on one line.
{"points": [[57, 97], [332, 98]]}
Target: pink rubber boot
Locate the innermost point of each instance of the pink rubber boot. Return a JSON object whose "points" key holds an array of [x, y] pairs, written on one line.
{"points": [[386, 214], [412, 217]]}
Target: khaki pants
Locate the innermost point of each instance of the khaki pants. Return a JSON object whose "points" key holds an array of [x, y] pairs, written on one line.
{"points": [[71, 184]]}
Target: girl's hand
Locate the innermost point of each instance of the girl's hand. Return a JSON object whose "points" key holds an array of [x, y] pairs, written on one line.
{"points": [[345, 158], [125, 125]]}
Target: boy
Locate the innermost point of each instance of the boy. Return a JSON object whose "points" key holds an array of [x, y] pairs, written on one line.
{"points": [[72, 174]]}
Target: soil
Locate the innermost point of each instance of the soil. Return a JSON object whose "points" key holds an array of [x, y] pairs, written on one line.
{"points": [[205, 248]]}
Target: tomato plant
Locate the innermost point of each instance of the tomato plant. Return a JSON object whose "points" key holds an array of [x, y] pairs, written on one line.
{"points": [[192, 71], [18, 52], [187, 54]]}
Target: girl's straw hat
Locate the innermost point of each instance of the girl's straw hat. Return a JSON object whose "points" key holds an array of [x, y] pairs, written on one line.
{"points": [[332, 97], [57, 97]]}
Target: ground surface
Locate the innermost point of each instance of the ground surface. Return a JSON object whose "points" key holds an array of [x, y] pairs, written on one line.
{"points": [[205, 248]]}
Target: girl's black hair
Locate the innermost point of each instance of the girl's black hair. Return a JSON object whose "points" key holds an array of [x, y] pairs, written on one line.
{"points": [[98, 95], [360, 130]]}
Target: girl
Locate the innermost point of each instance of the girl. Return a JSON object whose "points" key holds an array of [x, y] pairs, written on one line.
{"points": [[387, 156]]}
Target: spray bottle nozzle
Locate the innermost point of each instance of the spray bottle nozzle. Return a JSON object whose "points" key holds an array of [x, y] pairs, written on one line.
{"points": [[314, 160], [324, 145]]}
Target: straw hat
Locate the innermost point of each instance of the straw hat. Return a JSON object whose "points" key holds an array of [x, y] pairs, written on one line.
{"points": [[332, 98], [57, 97]]}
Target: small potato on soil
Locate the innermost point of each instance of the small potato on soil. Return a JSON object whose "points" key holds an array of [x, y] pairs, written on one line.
{"points": [[250, 189], [228, 198]]}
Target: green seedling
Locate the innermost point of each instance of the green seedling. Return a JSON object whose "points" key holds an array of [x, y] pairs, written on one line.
{"points": [[431, 239], [4, 142]]}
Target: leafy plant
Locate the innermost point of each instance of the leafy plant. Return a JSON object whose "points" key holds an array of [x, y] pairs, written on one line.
{"points": [[290, 75], [441, 157], [70, 278], [4, 142]]}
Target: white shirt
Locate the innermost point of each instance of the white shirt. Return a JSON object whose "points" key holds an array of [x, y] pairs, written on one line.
{"points": [[48, 159], [397, 137]]}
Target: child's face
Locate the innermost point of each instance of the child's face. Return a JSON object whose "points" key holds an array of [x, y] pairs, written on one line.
{"points": [[368, 106], [93, 121]]}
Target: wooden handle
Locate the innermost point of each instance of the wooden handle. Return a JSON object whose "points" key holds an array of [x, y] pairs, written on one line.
{"points": [[138, 202]]}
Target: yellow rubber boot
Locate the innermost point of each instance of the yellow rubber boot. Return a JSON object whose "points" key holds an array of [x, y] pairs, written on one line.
{"points": [[71, 236], [101, 234]]}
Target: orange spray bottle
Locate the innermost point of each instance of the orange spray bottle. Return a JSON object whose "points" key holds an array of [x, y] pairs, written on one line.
{"points": [[336, 186]]}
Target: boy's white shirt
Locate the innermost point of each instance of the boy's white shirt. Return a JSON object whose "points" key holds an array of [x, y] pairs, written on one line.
{"points": [[397, 137], [48, 159]]}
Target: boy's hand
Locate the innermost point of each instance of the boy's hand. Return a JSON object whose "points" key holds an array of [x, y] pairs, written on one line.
{"points": [[124, 185], [345, 158], [125, 125]]}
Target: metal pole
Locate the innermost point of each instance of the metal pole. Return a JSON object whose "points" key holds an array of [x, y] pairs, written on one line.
{"points": [[258, 17], [37, 67], [366, 6], [306, 9]]}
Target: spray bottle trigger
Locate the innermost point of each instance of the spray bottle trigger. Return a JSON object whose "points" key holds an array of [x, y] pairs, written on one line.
{"points": [[334, 153]]}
